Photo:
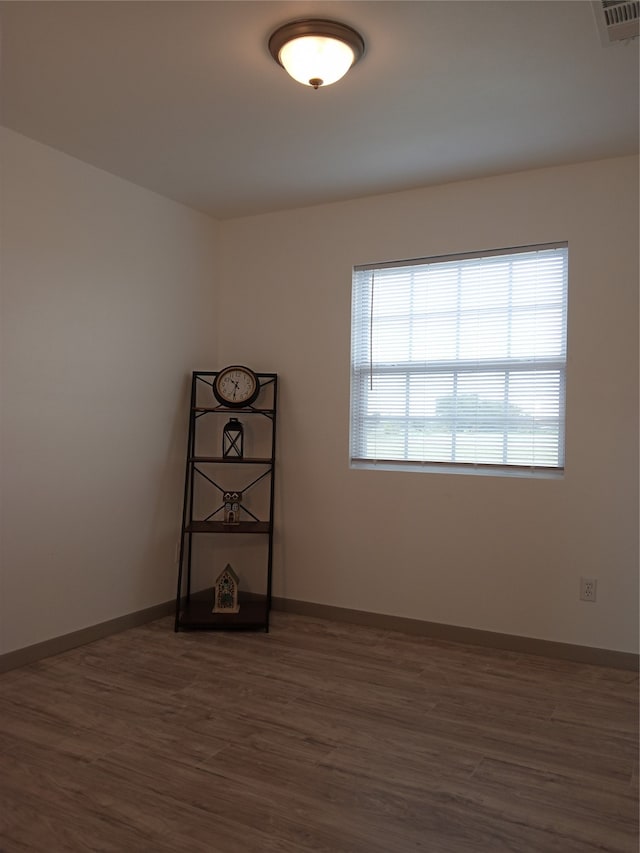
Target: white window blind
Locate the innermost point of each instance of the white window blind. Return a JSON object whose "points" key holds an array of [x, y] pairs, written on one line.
{"points": [[461, 360]]}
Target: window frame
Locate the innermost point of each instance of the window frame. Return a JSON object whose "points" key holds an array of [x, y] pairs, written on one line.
{"points": [[454, 367]]}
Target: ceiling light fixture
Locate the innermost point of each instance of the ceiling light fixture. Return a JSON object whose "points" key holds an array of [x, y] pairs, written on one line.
{"points": [[316, 52]]}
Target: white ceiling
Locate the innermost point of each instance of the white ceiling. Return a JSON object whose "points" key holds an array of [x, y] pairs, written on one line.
{"points": [[183, 97]]}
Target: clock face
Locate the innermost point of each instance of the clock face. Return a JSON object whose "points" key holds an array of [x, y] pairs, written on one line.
{"points": [[236, 386]]}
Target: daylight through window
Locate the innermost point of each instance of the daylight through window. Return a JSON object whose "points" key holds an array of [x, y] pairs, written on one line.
{"points": [[461, 360]]}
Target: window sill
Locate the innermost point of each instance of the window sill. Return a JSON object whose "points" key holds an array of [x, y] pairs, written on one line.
{"points": [[447, 468]]}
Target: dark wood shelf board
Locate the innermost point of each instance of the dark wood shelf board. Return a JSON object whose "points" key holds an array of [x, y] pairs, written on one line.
{"points": [[225, 411], [197, 615], [236, 460], [221, 527]]}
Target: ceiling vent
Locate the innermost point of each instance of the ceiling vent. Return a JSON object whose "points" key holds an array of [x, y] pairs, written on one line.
{"points": [[617, 20]]}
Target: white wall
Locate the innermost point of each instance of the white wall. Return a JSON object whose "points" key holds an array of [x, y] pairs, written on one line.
{"points": [[499, 554], [107, 304], [109, 300]]}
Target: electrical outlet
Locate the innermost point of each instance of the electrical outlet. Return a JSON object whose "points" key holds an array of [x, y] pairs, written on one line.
{"points": [[588, 587]]}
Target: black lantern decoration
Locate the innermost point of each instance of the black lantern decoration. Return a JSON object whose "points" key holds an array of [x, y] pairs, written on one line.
{"points": [[233, 439]]}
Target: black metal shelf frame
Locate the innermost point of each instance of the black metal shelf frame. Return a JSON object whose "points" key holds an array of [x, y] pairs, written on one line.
{"points": [[192, 613]]}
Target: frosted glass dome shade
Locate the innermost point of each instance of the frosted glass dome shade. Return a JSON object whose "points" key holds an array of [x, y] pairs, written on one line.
{"points": [[316, 60]]}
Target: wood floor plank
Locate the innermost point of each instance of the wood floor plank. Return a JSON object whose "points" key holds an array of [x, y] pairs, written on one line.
{"points": [[318, 737], [573, 798]]}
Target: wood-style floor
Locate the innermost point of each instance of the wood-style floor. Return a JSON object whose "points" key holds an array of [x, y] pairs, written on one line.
{"points": [[316, 737]]}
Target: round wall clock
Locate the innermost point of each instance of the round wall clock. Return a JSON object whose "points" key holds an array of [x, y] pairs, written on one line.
{"points": [[236, 386]]}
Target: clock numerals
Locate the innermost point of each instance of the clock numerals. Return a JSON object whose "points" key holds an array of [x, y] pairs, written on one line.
{"points": [[236, 386]]}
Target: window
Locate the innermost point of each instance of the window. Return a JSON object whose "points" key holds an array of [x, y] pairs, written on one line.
{"points": [[461, 360]]}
